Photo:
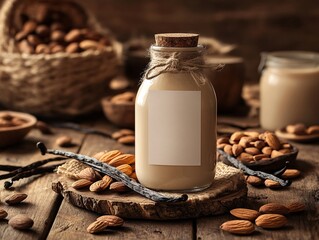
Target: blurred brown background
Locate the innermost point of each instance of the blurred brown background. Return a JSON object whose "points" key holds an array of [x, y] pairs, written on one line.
{"points": [[255, 26]]}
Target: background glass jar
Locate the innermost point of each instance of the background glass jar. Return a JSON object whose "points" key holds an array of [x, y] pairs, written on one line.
{"points": [[289, 89]]}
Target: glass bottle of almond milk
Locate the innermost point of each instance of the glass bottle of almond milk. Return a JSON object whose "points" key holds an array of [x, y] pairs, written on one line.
{"points": [[175, 122]]}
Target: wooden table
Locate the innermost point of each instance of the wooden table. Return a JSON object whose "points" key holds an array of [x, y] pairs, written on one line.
{"points": [[54, 218]]}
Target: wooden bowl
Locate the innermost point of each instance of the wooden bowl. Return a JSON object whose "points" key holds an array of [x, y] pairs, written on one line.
{"points": [[120, 114], [12, 135], [269, 166]]}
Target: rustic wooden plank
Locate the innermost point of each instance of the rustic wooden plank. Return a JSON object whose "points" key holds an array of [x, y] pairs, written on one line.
{"points": [[304, 189], [42, 203], [71, 222]]}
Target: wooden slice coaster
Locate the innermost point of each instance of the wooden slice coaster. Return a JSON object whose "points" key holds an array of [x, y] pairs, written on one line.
{"points": [[229, 190]]}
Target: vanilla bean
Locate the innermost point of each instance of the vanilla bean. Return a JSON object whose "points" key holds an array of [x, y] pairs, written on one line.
{"points": [[30, 173], [114, 173], [30, 167], [8, 168], [236, 163]]}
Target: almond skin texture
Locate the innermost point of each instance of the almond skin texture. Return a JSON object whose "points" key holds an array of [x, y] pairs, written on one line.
{"points": [[15, 198], [276, 153], [255, 181], [89, 174], [3, 213], [228, 150], [296, 207], [126, 169], [273, 141], [122, 159], [99, 186], [272, 184], [236, 136], [245, 142], [106, 157], [241, 227], [245, 157], [267, 150], [127, 140], [112, 220], [244, 213], [81, 183], [237, 149], [271, 221], [21, 222], [118, 187], [252, 150], [260, 156], [274, 208], [290, 173], [97, 226]]}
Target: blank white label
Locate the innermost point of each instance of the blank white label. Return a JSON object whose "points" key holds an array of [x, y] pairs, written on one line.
{"points": [[174, 128]]}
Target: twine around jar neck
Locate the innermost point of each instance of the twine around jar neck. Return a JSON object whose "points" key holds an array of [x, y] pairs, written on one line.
{"points": [[177, 62]]}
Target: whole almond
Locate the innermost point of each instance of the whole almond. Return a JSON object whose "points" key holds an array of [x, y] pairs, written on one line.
{"points": [[254, 180], [42, 48], [107, 156], [64, 141], [245, 213], [57, 49], [252, 134], [237, 149], [276, 153], [29, 26], [285, 150], [119, 187], [241, 227], [73, 36], [72, 48], [89, 174], [57, 36], [15, 198], [33, 40], [221, 146], [228, 150], [3, 213], [25, 47], [126, 169], [313, 129], [222, 140], [128, 140], [42, 30], [236, 136], [97, 226], [81, 183], [259, 144], [286, 146], [112, 220], [272, 184], [274, 208], [121, 133], [20, 36], [266, 150], [260, 157], [298, 129], [296, 207], [290, 173], [21, 222], [246, 141], [273, 141], [122, 159], [252, 150], [99, 186], [89, 44], [271, 221], [246, 157]]}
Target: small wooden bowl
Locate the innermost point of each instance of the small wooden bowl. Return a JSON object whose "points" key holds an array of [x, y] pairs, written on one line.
{"points": [[121, 114], [12, 135], [268, 166]]}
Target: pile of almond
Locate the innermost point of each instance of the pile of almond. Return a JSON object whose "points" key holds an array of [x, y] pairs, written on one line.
{"points": [[20, 221], [124, 136], [8, 120], [250, 147], [46, 30], [269, 216], [302, 129], [103, 222], [89, 178]]}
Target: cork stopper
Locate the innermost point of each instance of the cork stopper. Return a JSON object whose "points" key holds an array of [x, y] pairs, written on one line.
{"points": [[176, 39]]}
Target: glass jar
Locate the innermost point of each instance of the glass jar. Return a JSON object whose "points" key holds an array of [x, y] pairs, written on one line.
{"points": [[175, 125], [289, 89]]}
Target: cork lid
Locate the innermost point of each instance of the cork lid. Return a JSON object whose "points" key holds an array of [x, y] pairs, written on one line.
{"points": [[176, 39]]}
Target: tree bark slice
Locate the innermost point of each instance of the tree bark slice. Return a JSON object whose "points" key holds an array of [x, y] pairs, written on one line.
{"points": [[228, 191]]}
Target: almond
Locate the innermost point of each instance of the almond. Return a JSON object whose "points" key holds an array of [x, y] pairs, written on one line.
{"points": [[21, 221], [290, 173], [221, 146], [100, 185], [121, 133], [119, 187], [272, 184], [313, 129], [81, 183], [57, 36], [252, 134], [73, 36], [64, 141], [228, 150], [237, 149], [252, 150], [111, 220], [106, 157], [274, 208], [42, 30], [3, 213], [122, 159], [244, 213], [134, 176], [15, 198], [285, 150], [272, 140], [29, 27], [271, 221], [254, 180], [242, 227], [222, 140], [89, 174], [276, 153], [89, 44], [73, 48], [267, 150], [246, 157], [126, 169], [260, 157], [246, 141], [97, 226], [296, 207], [286, 145], [259, 144], [127, 140], [236, 136], [298, 129]]}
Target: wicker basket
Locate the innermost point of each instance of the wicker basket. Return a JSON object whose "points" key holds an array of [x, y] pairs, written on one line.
{"points": [[52, 85]]}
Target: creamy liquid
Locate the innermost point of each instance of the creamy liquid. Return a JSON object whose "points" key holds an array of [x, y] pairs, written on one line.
{"points": [[289, 96], [167, 177]]}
